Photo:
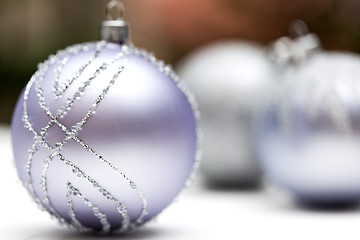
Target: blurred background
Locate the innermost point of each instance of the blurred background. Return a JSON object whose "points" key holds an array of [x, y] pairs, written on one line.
{"points": [[30, 30]]}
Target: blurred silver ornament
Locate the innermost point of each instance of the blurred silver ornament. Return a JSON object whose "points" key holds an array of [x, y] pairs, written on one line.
{"points": [[229, 79], [308, 136]]}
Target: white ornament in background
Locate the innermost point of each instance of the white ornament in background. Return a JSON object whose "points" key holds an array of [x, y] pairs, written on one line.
{"points": [[229, 79], [309, 134]]}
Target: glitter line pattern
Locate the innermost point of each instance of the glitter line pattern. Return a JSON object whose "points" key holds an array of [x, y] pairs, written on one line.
{"points": [[58, 91], [80, 173], [315, 93], [72, 191], [61, 58]]}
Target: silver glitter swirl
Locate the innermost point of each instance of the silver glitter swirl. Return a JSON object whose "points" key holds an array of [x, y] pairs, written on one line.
{"points": [[72, 191], [326, 83], [55, 153]]}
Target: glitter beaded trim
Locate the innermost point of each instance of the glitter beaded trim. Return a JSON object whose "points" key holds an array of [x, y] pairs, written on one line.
{"points": [[55, 153]]}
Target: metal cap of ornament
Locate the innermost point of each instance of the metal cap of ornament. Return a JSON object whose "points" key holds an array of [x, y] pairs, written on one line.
{"points": [[115, 30], [293, 49]]}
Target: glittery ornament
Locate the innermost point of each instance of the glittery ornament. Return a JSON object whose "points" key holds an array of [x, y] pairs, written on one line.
{"points": [[104, 134], [229, 79], [309, 134]]}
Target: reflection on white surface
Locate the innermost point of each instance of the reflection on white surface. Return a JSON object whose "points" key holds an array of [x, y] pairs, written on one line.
{"points": [[197, 214]]}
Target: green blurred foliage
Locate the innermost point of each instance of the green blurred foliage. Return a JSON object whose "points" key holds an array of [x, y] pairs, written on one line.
{"points": [[30, 30]]}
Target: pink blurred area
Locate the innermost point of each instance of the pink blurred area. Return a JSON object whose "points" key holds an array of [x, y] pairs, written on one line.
{"points": [[30, 30], [173, 28]]}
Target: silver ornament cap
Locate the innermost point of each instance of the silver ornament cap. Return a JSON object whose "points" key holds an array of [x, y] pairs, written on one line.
{"points": [[297, 48], [115, 30]]}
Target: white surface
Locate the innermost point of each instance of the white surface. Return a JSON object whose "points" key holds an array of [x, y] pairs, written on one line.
{"points": [[197, 214]]}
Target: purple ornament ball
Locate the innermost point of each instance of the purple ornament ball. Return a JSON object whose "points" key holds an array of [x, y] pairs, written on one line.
{"points": [[308, 133], [104, 136]]}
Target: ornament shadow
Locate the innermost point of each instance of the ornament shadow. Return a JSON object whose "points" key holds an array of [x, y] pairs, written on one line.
{"points": [[282, 201], [295, 206], [203, 184], [331, 207], [145, 233], [251, 186]]}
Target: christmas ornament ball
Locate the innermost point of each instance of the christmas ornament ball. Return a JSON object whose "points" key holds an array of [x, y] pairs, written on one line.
{"points": [[308, 136], [104, 136], [229, 79]]}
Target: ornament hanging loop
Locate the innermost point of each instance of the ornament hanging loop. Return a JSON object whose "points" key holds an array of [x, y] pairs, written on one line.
{"points": [[114, 30], [305, 41], [114, 4], [294, 49], [298, 28]]}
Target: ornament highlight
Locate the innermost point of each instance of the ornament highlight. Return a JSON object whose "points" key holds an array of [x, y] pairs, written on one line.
{"points": [[229, 79], [308, 136], [104, 134]]}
